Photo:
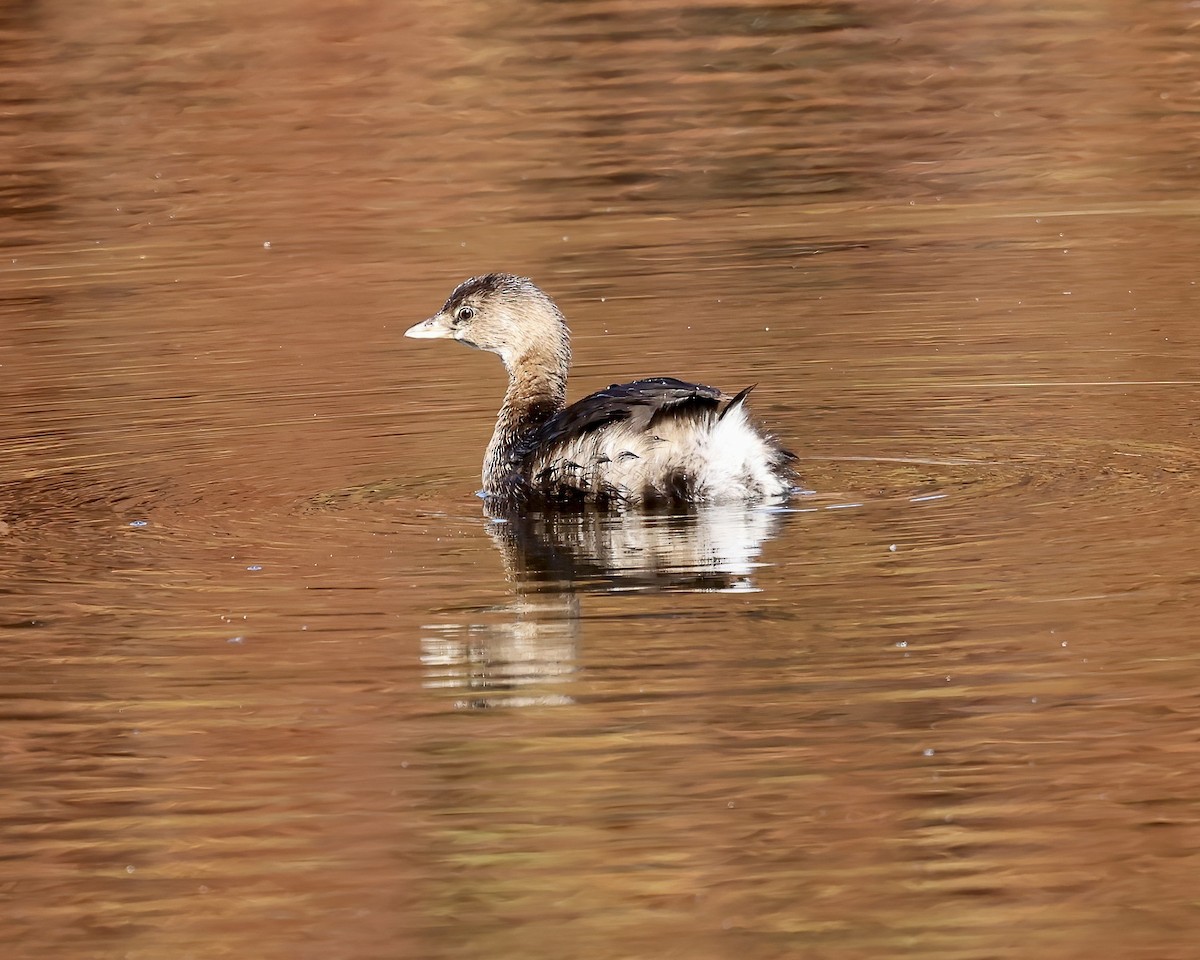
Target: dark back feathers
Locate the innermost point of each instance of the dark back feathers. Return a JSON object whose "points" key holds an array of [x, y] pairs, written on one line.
{"points": [[642, 403]]}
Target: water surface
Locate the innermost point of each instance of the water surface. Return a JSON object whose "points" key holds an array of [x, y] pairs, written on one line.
{"points": [[276, 685]]}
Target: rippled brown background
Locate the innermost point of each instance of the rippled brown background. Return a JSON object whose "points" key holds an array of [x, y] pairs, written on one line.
{"points": [[273, 685]]}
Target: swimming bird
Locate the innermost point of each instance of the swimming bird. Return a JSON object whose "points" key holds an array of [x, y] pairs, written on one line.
{"points": [[659, 441]]}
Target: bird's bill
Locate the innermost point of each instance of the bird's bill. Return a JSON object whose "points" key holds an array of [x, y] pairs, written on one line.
{"points": [[435, 328]]}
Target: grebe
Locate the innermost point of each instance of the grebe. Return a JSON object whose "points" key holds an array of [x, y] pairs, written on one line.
{"points": [[649, 442]]}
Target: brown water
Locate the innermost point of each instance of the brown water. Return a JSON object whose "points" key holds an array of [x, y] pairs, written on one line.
{"points": [[275, 687]]}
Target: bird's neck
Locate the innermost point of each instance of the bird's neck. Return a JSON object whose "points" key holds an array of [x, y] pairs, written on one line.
{"points": [[537, 390]]}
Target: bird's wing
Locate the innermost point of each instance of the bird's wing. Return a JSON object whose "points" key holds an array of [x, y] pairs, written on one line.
{"points": [[638, 405]]}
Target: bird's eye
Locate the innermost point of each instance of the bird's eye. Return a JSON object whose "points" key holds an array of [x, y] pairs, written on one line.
{"points": [[463, 314]]}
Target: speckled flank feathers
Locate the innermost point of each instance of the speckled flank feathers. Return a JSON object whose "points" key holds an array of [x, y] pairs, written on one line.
{"points": [[655, 441]]}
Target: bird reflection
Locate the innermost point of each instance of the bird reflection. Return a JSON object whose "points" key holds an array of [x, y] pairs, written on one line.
{"points": [[524, 652]]}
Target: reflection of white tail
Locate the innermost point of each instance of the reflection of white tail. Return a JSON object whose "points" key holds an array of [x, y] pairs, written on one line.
{"points": [[710, 548], [521, 653]]}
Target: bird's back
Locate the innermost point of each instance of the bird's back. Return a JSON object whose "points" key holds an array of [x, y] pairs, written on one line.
{"points": [[657, 441]]}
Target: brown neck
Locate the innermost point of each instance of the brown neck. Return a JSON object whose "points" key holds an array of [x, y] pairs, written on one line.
{"points": [[537, 390]]}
